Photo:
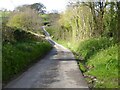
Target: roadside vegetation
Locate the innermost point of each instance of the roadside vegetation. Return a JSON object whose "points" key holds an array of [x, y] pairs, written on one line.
{"points": [[98, 60], [19, 55], [23, 41], [90, 30]]}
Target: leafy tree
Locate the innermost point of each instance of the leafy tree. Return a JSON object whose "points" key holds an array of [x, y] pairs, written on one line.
{"points": [[83, 20], [28, 19], [118, 21], [39, 7], [22, 8], [77, 20]]}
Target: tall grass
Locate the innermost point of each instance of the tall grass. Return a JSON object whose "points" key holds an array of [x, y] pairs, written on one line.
{"points": [[98, 60], [20, 49], [17, 56], [105, 67], [89, 47]]}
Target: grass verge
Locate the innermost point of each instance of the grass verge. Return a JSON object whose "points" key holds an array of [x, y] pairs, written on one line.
{"points": [[98, 61], [18, 56]]}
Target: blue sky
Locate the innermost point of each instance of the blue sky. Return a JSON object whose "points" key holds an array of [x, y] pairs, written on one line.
{"points": [[50, 4]]}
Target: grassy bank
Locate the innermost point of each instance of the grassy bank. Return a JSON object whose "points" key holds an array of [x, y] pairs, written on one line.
{"points": [[98, 60], [104, 67], [17, 56]]}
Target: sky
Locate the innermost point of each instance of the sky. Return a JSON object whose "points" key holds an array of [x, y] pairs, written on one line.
{"points": [[50, 4]]}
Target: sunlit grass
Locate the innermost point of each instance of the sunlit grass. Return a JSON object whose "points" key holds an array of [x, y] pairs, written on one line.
{"points": [[16, 57], [105, 67], [100, 57]]}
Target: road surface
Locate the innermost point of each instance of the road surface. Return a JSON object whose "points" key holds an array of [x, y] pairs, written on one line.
{"points": [[57, 70]]}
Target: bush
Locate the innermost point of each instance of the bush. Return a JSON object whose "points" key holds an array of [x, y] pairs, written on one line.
{"points": [[101, 59], [21, 35], [105, 67], [89, 47], [12, 35], [98, 61], [18, 52], [28, 19], [17, 56], [7, 34]]}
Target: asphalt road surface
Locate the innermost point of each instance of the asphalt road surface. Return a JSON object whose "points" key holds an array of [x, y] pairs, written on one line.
{"points": [[57, 70]]}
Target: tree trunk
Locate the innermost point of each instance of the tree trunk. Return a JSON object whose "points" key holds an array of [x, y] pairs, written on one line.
{"points": [[118, 23]]}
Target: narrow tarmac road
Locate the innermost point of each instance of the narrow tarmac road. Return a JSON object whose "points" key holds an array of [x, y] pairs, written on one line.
{"points": [[57, 70]]}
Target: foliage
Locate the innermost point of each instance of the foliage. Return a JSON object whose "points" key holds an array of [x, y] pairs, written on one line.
{"points": [[21, 35], [89, 47], [77, 22], [105, 67], [98, 58], [23, 42], [45, 17], [82, 67], [39, 7], [26, 20], [89, 29], [17, 56], [55, 32], [83, 20], [12, 35], [7, 34]]}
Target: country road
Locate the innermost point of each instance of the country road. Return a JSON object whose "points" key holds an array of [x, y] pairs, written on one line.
{"points": [[58, 69]]}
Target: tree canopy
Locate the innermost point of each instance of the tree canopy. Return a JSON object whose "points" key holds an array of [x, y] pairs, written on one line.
{"points": [[39, 7], [28, 19]]}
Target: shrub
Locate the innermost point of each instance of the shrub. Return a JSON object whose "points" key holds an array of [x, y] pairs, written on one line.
{"points": [[105, 67], [18, 56], [7, 34], [89, 47], [28, 19]]}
